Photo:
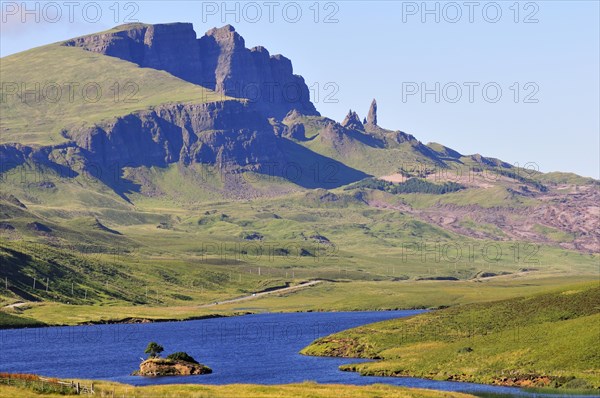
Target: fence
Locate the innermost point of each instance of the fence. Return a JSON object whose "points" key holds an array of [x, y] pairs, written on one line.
{"points": [[46, 385]]}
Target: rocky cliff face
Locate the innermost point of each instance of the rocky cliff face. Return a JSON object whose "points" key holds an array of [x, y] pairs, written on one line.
{"points": [[227, 133], [169, 47], [219, 60], [352, 121], [231, 135], [166, 367], [372, 116]]}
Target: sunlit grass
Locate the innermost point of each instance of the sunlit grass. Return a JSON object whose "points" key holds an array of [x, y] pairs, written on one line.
{"points": [[548, 339]]}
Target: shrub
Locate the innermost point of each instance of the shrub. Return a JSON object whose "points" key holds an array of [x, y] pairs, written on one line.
{"points": [[578, 384], [412, 185], [181, 356]]}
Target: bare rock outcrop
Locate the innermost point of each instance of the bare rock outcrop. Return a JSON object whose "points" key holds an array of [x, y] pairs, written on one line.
{"points": [[222, 133], [296, 132], [219, 60], [372, 115], [167, 367], [352, 121]]}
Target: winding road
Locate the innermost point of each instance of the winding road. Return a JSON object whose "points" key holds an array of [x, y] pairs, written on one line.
{"points": [[262, 294]]}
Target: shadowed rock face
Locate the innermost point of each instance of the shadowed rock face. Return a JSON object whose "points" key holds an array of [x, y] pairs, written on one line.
{"points": [[223, 133], [231, 135], [297, 132], [372, 116], [219, 60], [352, 121], [169, 47]]}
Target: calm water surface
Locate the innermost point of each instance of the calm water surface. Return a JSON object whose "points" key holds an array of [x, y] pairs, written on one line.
{"points": [[257, 349]]}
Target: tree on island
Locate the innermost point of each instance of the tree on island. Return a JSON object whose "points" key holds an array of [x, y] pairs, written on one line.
{"points": [[154, 349]]}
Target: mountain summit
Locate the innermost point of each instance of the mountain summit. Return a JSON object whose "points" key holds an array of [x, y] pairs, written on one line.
{"points": [[219, 60]]}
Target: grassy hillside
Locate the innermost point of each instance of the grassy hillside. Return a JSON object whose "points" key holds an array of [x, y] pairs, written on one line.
{"points": [[546, 340], [409, 294], [17, 321], [174, 251], [375, 154], [74, 87]]}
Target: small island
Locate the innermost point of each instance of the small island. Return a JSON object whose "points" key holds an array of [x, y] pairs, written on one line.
{"points": [[176, 364]]}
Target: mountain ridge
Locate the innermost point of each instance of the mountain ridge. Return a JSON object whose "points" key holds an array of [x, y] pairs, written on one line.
{"points": [[219, 60], [150, 47]]}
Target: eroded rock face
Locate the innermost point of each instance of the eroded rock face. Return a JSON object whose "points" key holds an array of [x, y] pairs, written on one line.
{"points": [[372, 115], [170, 47], [333, 132], [219, 60], [296, 132], [167, 367], [222, 133], [352, 121]]}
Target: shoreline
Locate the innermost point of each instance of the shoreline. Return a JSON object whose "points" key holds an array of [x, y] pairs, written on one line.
{"points": [[256, 295], [135, 314], [132, 320], [522, 383], [531, 391], [512, 382], [126, 321]]}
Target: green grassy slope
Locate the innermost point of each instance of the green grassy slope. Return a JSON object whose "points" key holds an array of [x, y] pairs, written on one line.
{"points": [[190, 244], [14, 321], [65, 81], [546, 340], [166, 253], [374, 154]]}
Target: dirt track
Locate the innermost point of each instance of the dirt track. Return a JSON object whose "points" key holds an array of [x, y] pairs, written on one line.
{"points": [[262, 294]]}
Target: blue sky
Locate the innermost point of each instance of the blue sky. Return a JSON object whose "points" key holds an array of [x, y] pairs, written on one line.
{"points": [[387, 50]]}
